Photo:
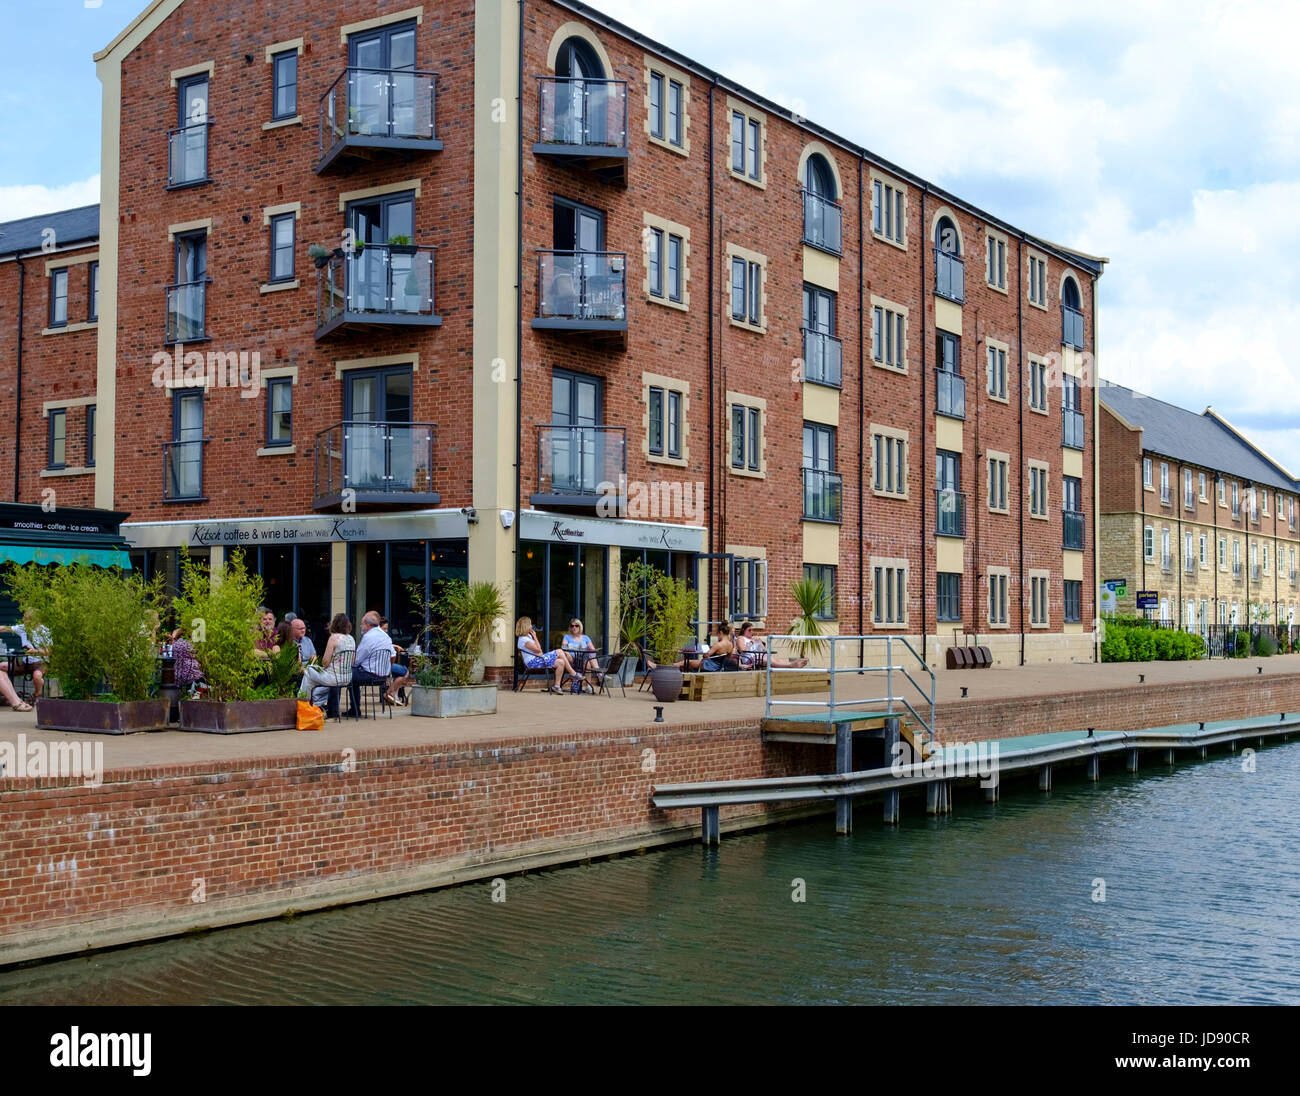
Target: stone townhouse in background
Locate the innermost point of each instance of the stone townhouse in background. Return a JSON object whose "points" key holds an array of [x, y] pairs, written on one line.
{"points": [[522, 287]]}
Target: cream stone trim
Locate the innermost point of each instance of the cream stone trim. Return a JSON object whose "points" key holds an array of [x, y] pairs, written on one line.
{"points": [[57, 405], [666, 226], [50, 473], [945, 211], [274, 211], [277, 451], [826, 154], [296, 120], [997, 572], [52, 265], [1005, 460], [994, 234], [892, 306], [869, 594], [68, 329], [894, 434], [735, 251], [140, 27], [1046, 470], [283, 47], [751, 115], [997, 344], [901, 189], [668, 72], [1039, 359], [341, 367], [276, 287], [185, 226], [210, 67], [1046, 578], [574, 29], [668, 384], [1060, 286], [738, 399], [416, 13], [1033, 253], [290, 371], [378, 192]]}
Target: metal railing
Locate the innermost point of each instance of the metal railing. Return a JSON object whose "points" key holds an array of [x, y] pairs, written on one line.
{"points": [[823, 223], [1242, 640], [857, 655], [1294, 577], [822, 495], [1256, 572], [581, 461], [1072, 529], [949, 276], [391, 458], [1236, 511], [378, 103], [1254, 515], [183, 469], [582, 112], [1236, 570], [950, 512], [187, 154], [950, 394], [1165, 495], [582, 285], [1189, 565], [187, 311], [1071, 327], [1072, 428], [823, 358], [377, 280], [1166, 562], [1189, 500]]}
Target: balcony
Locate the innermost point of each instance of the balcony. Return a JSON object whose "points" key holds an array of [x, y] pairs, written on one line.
{"points": [[950, 394], [822, 358], [582, 468], [1295, 578], [1189, 500], [1071, 327], [1072, 429], [1165, 497], [1166, 563], [1254, 515], [950, 512], [583, 292], [374, 464], [949, 276], [377, 286], [822, 495], [1072, 530], [1189, 565], [187, 155], [1236, 512], [1236, 571], [583, 124], [187, 312], [823, 222], [376, 114], [183, 470], [1256, 572]]}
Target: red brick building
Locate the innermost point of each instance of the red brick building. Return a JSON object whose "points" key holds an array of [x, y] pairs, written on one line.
{"points": [[571, 299]]}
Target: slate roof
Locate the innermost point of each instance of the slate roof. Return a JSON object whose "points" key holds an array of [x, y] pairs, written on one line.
{"points": [[71, 226], [1200, 439]]}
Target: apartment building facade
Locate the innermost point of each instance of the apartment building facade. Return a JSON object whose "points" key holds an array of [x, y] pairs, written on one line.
{"points": [[505, 290], [1192, 511]]}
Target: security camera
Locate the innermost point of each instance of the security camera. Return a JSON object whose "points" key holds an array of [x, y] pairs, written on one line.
{"points": [[471, 515]]}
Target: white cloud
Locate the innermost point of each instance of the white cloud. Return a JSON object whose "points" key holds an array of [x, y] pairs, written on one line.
{"points": [[17, 202]]}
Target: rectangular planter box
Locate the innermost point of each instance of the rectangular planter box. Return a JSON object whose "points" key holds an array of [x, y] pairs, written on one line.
{"points": [[100, 716], [239, 716], [443, 703]]}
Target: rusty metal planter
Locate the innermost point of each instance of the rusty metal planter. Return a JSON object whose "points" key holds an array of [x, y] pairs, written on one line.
{"points": [[239, 716], [101, 716]]}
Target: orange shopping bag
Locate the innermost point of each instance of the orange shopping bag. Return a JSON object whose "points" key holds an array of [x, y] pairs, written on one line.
{"points": [[310, 717]]}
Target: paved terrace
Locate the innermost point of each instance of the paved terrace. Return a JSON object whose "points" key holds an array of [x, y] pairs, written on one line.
{"points": [[535, 713]]}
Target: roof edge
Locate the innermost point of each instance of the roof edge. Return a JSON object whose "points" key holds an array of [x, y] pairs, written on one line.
{"points": [[126, 31], [1212, 413]]}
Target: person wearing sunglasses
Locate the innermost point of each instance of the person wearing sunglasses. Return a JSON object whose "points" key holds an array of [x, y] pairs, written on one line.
{"points": [[578, 646]]}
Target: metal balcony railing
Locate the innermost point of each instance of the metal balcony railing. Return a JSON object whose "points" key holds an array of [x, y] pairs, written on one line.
{"points": [[183, 469], [187, 311], [823, 223], [1189, 500], [1236, 570], [1071, 327], [1189, 565], [368, 462], [950, 512], [1294, 577], [1166, 563], [822, 495], [1256, 572], [1072, 529], [378, 108], [949, 276], [1165, 496], [822, 358], [1236, 511], [581, 464], [581, 288], [950, 394], [187, 154], [376, 284], [1072, 429], [1254, 515], [582, 113]]}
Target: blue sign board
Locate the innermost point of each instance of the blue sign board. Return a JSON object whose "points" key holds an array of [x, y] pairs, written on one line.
{"points": [[1148, 599]]}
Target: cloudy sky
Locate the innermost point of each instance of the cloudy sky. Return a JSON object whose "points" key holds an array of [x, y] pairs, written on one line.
{"points": [[1163, 135]]}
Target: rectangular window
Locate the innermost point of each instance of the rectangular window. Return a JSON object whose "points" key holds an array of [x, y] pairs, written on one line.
{"points": [[284, 69], [889, 469], [997, 378], [1204, 496], [664, 264], [1223, 552], [887, 211], [887, 337], [675, 424], [825, 574], [1073, 601], [1236, 501], [737, 142], [1164, 482], [1038, 385], [997, 272], [1146, 473], [674, 268], [92, 311], [1037, 281], [676, 127], [1149, 542], [1037, 600], [997, 483], [997, 599], [752, 150], [90, 436], [948, 597], [279, 411], [59, 297], [1205, 550], [890, 587], [655, 406], [1038, 491], [282, 234], [745, 438], [657, 105], [655, 261], [746, 146], [58, 448], [746, 291]]}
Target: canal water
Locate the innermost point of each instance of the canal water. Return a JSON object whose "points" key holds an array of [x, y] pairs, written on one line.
{"points": [[1199, 863]]}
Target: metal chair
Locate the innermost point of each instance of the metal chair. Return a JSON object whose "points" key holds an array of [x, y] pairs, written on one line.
{"points": [[342, 661], [523, 673], [611, 665], [365, 704]]}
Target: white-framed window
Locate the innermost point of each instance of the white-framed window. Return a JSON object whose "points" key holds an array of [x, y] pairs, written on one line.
{"points": [[888, 335], [1037, 280], [889, 592], [1204, 496], [997, 472], [1223, 553], [997, 371], [889, 461], [1149, 542], [1263, 555], [1164, 482], [1223, 491], [1038, 385], [996, 267], [1146, 473], [1205, 550], [1166, 555], [888, 210]]}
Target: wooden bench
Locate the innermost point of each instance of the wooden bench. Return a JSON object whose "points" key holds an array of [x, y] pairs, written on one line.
{"points": [[733, 684]]}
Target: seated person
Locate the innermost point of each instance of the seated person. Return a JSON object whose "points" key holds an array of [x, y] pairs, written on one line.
{"points": [[10, 694], [374, 661], [186, 670], [267, 643], [715, 658], [753, 653], [536, 659], [581, 651], [332, 672], [404, 667], [298, 633], [35, 652]]}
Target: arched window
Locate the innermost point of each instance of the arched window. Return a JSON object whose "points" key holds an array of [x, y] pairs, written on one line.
{"points": [[818, 177], [581, 99], [946, 238], [1070, 294], [577, 60], [822, 226], [949, 270], [1071, 316]]}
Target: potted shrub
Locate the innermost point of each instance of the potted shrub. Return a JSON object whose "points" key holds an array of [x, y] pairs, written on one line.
{"points": [[401, 245], [812, 597], [103, 647], [221, 614], [670, 606], [319, 255], [460, 619], [632, 627]]}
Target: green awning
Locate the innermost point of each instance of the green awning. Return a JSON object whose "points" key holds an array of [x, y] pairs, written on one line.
{"points": [[43, 554]]}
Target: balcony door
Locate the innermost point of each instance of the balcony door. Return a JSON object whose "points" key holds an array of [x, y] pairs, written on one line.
{"points": [[187, 453], [377, 454], [381, 101], [192, 111], [947, 482], [577, 407], [581, 104], [188, 312], [581, 285], [377, 277]]}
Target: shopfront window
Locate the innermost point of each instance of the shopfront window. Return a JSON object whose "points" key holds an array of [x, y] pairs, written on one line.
{"points": [[381, 575], [558, 582]]}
